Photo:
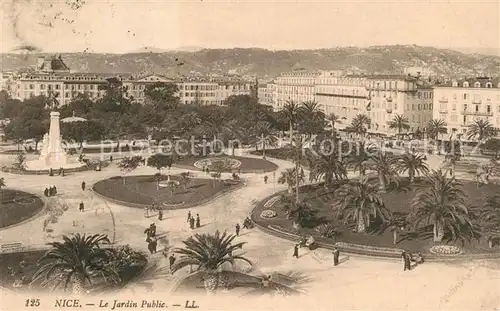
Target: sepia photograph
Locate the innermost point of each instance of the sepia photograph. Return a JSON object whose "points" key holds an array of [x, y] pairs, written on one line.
{"points": [[250, 155]]}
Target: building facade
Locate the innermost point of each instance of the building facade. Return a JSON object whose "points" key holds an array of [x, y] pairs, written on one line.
{"points": [[53, 78], [460, 102]]}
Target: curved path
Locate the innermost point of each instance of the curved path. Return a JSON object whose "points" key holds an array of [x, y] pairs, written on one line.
{"points": [[358, 283]]}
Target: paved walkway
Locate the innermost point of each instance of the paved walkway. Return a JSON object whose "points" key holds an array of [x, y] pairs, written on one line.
{"points": [[358, 283]]}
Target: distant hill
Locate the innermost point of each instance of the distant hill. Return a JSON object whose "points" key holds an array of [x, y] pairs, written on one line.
{"points": [[268, 64]]}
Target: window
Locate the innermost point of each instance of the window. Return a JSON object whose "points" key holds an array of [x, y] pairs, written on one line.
{"points": [[430, 95], [477, 108], [454, 84], [32, 86], [454, 107], [465, 107], [419, 106], [412, 106], [489, 85], [57, 87], [488, 109], [465, 119], [42, 86], [477, 84], [465, 84], [466, 96], [430, 106]]}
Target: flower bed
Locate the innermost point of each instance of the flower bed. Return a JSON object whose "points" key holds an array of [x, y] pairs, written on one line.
{"points": [[268, 214], [271, 201], [445, 250]]}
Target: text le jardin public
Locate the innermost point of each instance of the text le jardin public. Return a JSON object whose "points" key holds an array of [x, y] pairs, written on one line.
{"points": [[118, 304]]}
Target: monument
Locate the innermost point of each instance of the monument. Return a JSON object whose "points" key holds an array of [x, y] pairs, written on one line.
{"points": [[53, 156]]}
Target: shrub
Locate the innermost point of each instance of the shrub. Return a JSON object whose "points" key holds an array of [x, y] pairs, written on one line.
{"points": [[327, 231]]}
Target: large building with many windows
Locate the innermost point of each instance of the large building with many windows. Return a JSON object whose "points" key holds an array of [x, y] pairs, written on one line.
{"points": [[53, 77], [460, 102]]}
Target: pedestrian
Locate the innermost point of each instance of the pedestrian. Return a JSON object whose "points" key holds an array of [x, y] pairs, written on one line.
{"points": [[336, 255], [406, 260], [82, 207], [146, 211], [171, 260], [83, 185], [265, 179], [189, 216], [51, 191], [296, 251], [152, 244], [110, 158], [237, 229], [160, 214], [153, 229], [197, 220], [191, 223], [55, 190], [46, 192]]}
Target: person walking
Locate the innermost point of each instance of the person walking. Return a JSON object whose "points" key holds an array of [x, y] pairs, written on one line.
{"points": [[265, 179], [160, 214], [46, 192], [55, 190], [191, 222], [82, 207], [83, 185], [171, 260], [189, 216], [336, 255], [296, 251], [237, 229], [406, 260], [197, 220]]}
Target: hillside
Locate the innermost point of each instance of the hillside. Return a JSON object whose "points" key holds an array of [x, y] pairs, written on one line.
{"points": [[267, 64]]}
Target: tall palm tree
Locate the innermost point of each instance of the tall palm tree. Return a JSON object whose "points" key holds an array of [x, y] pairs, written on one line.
{"points": [[359, 201], [481, 130], [265, 136], [289, 177], [312, 117], [208, 252], [399, 123], [215, 126], [441, 203], [333, 119], [490, 216], [76, 260], [360, 124], [290, 112], [384, 164], [436, 127], [327, 165], [298, 142], [413, 163], [359, 157]]}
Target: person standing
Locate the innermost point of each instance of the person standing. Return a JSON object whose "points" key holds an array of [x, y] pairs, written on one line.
{"points": [[171, 260], [46, 192], [197, 220], [406, 260], [191, 222], [189, 216], [237, 229], [83, 185], [55, 190], [296, 251], [265, 179], [160, 214], [82, 207], [336, 255]]}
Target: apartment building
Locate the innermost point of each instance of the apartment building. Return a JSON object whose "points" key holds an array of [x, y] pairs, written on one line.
{"points": [[296, 86], [53, 77], [460, 102]]}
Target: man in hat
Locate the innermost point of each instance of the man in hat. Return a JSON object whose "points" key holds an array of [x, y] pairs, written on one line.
{"points": [[336, 255], [171, 260], [83, 185], [82, 207], [296, 251]]}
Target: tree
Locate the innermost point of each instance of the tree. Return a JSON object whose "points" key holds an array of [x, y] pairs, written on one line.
{"points": [[74, 261], [481, 129], [20, 162], [358, 158], [360, 124], [298, 143], [301, 212], [359, 201], [493, 145], [399, 123], [290, 113], [490, 216], [185, 180], [436, 127], [333, 119], [289, 177], [384, 164], [325, 162], [160, 161], [208, 252], [162, 96], [441, 203], [413, 163], [311, 117], [2, 184], [265, 136], [82, 131], [128, 164]]}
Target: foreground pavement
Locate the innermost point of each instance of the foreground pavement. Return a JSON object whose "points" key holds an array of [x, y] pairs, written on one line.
{"points": [[358, 283]]}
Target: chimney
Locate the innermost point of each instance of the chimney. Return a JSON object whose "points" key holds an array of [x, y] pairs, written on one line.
{"points": [[40, 61]]}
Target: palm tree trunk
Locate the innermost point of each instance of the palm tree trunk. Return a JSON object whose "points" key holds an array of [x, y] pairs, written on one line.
{"points": [[291, 130], [211, 282], [78, 286], [361, 226], [263, 148], [411, 175], [395, 236], [438, 232], [381, 181], [297, 182]]}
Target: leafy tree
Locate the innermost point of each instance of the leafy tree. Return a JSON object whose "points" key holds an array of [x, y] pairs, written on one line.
{"points": [[441, 203], [311, 118], [185, 180], [358, 158], [74, 261], [436, 127], [481, 130], [20, 162], [82, 131], [208, 252], [413, 164], [359, 201], [160, 161], [289, 177], [326, 162], [301, 212], [399, 123], [493, 145], [128, 164], [384, 164], [360, 124], [162, 95], [290, 113], [333, 119]]}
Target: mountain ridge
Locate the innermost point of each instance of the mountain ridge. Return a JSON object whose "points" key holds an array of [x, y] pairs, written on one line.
{"points": [[270, 63]]}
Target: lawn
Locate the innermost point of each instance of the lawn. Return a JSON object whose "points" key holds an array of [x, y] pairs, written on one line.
{"points": [[397, 201], [140, 191], [248, 165], [11, 270], [17, 206]]}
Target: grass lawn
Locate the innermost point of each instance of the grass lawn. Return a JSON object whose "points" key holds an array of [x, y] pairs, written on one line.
{"points": [[142, 190], [17, 206], [397, 201], [13, 260], [238, 282], [248, 165]]}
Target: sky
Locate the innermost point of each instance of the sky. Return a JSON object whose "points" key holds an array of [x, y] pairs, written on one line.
{"points": [[121, 26]]}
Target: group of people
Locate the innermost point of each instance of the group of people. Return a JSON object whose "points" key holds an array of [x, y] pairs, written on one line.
{"points": [[50, 191], [192, 221], [310, 243], [409, 257], [61, 172]]}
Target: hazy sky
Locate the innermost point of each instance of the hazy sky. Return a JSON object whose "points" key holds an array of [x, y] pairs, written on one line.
{"points": [[120, 26]]}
